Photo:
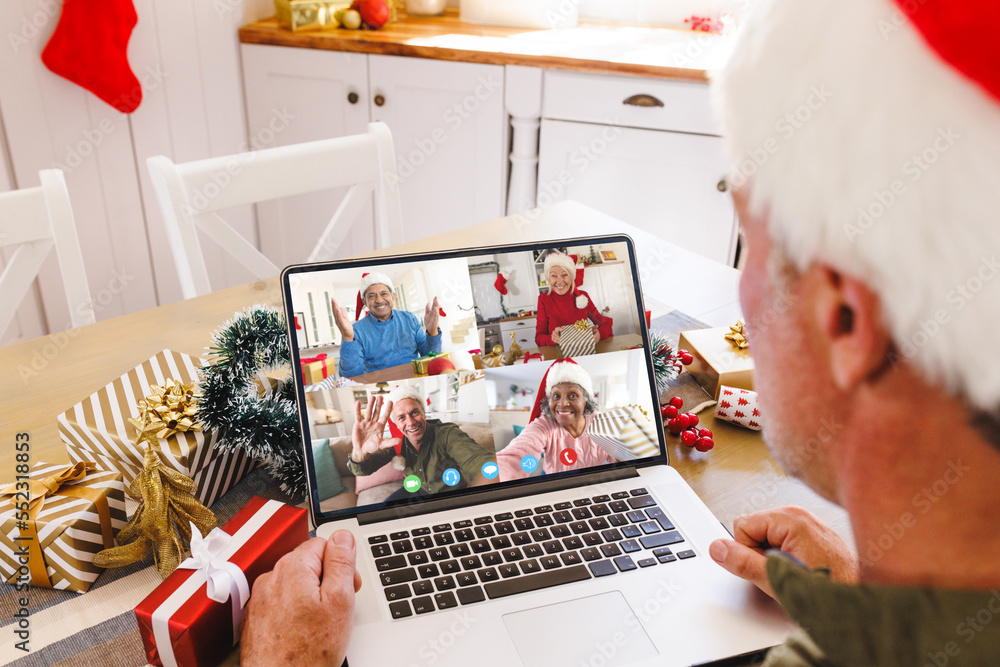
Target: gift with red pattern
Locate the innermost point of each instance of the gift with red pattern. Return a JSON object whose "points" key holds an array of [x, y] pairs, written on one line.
{"points": [[738, 406]]}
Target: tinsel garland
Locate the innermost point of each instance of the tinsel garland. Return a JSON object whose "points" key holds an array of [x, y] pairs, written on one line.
{"points": [[265, 427], [667, 363]]}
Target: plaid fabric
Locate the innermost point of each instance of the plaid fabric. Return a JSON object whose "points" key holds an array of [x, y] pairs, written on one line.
{"points": [[98, 627]]}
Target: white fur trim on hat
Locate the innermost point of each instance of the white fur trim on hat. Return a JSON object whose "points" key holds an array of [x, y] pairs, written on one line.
{"points": [[559, 259], [406, 391], [581, 301], [375, 278], [874, 156], [562, 371]]}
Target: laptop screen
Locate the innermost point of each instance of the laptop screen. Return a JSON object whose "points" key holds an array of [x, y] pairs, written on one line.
{"points": [[458, 372]]}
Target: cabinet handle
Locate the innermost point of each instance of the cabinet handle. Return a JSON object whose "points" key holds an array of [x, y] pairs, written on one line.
{"points": [[352, 97], [643, 100], [722, 185], [379, 100]]}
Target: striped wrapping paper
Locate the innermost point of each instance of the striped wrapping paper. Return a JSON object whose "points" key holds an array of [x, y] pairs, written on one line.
{"points": [[69, 530], [97, 429], [577, 340], [624, 433]]}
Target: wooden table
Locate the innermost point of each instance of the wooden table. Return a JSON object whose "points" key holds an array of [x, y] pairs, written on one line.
{"points": [[43, 377]]}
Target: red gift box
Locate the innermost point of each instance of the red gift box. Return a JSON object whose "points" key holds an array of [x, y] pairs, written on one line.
{"points": [[202, 632]]}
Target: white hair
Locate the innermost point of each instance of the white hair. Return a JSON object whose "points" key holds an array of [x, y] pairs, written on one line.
{"points": [[869, 153]]}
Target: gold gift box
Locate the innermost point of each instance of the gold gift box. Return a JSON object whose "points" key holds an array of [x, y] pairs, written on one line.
{"points": [[312, 372], [420, 364], [717, 362], [308, 14]]}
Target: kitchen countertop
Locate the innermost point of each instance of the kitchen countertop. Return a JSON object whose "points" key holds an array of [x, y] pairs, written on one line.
{"points": [[590, 47]]}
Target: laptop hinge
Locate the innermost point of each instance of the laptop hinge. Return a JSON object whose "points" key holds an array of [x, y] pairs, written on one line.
{"points": [[428, 507]]}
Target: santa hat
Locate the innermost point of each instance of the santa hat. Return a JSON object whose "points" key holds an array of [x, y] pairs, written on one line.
{"points": [[367, 280], [868, 132], [563, 370], [567, 262]]}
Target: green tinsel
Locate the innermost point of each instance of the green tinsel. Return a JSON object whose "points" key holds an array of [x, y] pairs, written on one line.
{"points": [[266, 428], [666, 362]]}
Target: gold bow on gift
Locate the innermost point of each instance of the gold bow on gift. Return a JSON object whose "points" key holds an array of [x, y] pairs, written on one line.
{"points": [[583, 325], [168, 410], [738, 335], [53, 485]]}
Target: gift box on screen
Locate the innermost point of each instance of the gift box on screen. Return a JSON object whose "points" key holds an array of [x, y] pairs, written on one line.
{"points": [[318, 368], [307, 14], [97, 429], [717, 361], [577, 340], [421, 364], [185, 622], [624, 433], [58, 518]]}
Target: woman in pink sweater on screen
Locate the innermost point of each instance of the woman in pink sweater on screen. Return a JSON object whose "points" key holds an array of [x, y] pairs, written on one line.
{"points": [[557, 427]]}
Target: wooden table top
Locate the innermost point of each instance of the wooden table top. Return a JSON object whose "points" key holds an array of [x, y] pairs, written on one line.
{"points": [[591, 47], [41, 378]]}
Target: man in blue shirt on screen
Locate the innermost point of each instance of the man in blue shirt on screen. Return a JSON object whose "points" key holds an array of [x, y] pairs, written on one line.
{"points": [[385, 337]]}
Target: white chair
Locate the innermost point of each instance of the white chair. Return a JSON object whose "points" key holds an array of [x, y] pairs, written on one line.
{"points": [[38, 219], [190, 193]]}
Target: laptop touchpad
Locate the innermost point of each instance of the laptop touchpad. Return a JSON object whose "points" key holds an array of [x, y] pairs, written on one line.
{"points": [[596, 630]]}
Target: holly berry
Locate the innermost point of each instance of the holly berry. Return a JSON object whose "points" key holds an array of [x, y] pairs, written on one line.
{"points": [[694, 418], [685, 357], [674, 426], [689, 438], [668, 411], [684, 420], [677, 402], [704, 444], [704, 433]]}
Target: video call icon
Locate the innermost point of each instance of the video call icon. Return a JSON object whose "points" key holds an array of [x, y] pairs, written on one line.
{"points": [[411, 483], [490, 470], [529, 463], [451, 477]]}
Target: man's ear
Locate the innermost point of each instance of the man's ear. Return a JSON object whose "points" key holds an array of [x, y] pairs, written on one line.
{"points": [[850, 318]]}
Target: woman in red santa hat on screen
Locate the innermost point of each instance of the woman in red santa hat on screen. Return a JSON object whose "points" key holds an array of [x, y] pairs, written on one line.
{"points": [[564, 304], [558, 424]]}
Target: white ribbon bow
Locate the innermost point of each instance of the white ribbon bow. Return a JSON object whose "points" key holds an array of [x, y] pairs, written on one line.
{"points": [[225, 580]]}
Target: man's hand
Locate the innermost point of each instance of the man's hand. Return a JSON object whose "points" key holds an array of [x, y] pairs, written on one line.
{"points": [[432, 312], [793, 530], [342, 321], [556, 335], [302, 612], [366, 438]]}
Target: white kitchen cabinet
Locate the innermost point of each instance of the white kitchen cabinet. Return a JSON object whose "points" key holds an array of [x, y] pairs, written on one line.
{"points": [[448, 127], [656, 167], [523, 330], [604, 283]]}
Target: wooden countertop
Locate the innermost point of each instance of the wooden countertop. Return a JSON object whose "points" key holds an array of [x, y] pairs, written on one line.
{"points": [[590, 47]]}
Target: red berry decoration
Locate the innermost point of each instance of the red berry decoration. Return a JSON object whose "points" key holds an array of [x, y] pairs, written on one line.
{"points": [[674, 426], [694, 418], [685, 357], [677, 402], [704, 433], [668, 411], [704, 444], [684, 420], [689, 438]]}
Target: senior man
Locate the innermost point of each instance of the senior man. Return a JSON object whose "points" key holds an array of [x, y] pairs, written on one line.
{"points": [[865, 141], [384, 337]]}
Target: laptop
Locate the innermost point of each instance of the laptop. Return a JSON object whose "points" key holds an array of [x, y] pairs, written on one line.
{"points": [[491, 530]]}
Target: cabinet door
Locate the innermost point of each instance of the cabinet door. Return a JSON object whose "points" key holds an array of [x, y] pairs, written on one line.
{"points": [[294, 96], [665, 183], [447, 121]]}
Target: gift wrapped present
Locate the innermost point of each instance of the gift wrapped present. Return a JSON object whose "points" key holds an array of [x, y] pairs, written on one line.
{"points": [[577, 339], [738, 406], [193, 618], [97, 429], [420, 364], [318, 368], [624, 433], [54, 519], [717, 360], [307, 14]]}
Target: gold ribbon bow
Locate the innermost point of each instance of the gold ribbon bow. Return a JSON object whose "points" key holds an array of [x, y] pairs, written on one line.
{"points": [[582, 325], [738, 335], [53, 485], [168, 410]]}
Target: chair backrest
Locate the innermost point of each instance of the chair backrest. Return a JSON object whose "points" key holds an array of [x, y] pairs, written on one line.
{"points": [[189, 195], [36, 220]]}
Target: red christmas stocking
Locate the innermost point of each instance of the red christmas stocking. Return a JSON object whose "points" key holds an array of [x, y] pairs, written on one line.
{"points": [[89, 47], [500, 283]]}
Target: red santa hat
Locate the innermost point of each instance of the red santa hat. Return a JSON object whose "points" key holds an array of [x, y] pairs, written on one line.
{"points": [[560, 371], [567, 262], [868, 134], [367, 280]]}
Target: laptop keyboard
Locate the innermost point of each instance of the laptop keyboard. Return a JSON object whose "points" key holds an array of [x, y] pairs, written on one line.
{"points": [[450, 564]]}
